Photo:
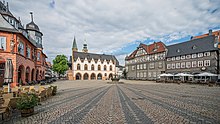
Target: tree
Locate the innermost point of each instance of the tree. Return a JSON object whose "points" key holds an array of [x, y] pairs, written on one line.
{"points": [[60, 64], [124, 73]]}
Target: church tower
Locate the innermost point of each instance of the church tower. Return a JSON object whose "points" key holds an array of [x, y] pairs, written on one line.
{"points": [[85, 49], [74, 47]]}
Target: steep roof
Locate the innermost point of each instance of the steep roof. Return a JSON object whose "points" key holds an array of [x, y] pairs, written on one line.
{"points": [[94, 56], [153, 48], [74, 44], [192, 46]]}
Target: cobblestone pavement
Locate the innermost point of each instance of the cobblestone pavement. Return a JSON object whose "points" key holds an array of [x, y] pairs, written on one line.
{"points": [[134, 102]]}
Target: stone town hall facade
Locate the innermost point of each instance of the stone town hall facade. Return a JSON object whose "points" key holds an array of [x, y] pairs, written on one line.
{"points": [[90, 66]]}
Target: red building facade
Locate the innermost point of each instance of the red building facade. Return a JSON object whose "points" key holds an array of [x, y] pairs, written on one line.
{"points": [[23, 46]]}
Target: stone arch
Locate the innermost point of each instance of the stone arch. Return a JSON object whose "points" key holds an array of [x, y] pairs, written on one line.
{"points": [[93, 77], [21, 75], [37, 75], [110, 76], [99, 76], [27, 74], [32, 74], [78, 76], [86, 76]]}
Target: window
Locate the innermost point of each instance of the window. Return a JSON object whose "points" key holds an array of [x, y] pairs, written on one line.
{"points": [[133, 67], [200, 63], [173, 65], [194, 64], [168, 59], [85, 67], [188, 64], [194, 47], [177, 65], [78, 66], [137, 67], [138, 75], [160, 65], [141, 74], [145, 66], [183, 65], [183, 57], [149, 74], [141, 66], [92, 67], [188, 56], [154, 74], [173, 58], [110, 68], [194, 55], [145, 74], [105, 68], [200, 54], [28, 54], [99, 67], [151, 65], [3, 43], [168, 66], [207, 63], [178, 50], [38, 56], [178, 58], [21, 48], [207, 54]]}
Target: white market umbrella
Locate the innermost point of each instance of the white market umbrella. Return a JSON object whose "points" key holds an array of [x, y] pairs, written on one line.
{"points": [[183, 75], [8, 75], [205, 74], [166, 75]]}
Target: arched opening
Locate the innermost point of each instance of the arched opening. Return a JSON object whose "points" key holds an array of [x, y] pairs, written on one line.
{"points": [[110, 68], [85, 76], [93, 77], [99, 67], [78, 76], [105, 67], [92, 67], [32, 75], [21, 75], [78, 66], [99, 77], [110, 76], [37, 75], [27, 74], [43, 75], [85, 67], [40, 75]]}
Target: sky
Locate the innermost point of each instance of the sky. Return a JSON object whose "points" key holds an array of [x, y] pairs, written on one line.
{"points": [[116, 27]]}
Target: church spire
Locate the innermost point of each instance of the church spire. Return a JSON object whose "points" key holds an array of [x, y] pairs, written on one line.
{"points": [[74, 47]]}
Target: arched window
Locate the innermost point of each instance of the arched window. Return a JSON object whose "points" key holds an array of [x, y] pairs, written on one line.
{"points": [[110, 68], [99, 67], [92, 67], [85, 67], [78, 66], [105, 68]]}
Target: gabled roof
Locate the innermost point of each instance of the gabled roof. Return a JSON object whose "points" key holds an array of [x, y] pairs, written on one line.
{"points": [[156, 47], [193, 46]]}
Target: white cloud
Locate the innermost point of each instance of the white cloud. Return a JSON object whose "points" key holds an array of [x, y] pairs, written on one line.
{"points": [[109, 25]]}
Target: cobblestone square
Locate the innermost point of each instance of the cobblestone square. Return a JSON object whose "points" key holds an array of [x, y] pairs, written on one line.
{"points": [[144, 102]]}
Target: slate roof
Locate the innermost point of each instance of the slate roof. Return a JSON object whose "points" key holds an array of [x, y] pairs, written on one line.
{"points": [[184, 48], [94, 56]]}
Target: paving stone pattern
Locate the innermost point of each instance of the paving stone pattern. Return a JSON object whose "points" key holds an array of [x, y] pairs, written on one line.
{"points": [[135, 102]]}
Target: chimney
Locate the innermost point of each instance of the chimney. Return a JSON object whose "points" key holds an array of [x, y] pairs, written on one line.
{"points": [[31, 16], [210, 32]]}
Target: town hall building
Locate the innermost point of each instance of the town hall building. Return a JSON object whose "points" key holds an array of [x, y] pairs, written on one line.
{"points": [[90, 66]]}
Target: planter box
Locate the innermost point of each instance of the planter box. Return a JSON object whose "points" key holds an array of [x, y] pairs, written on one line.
{"points": [[27, 112]]}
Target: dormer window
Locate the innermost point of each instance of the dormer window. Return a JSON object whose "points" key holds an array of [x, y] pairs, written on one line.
{"points": [[178, 50], [194, 47]]}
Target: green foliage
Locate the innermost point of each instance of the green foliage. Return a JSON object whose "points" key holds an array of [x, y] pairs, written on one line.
{"points": [[27, 101], [60, 64]]}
